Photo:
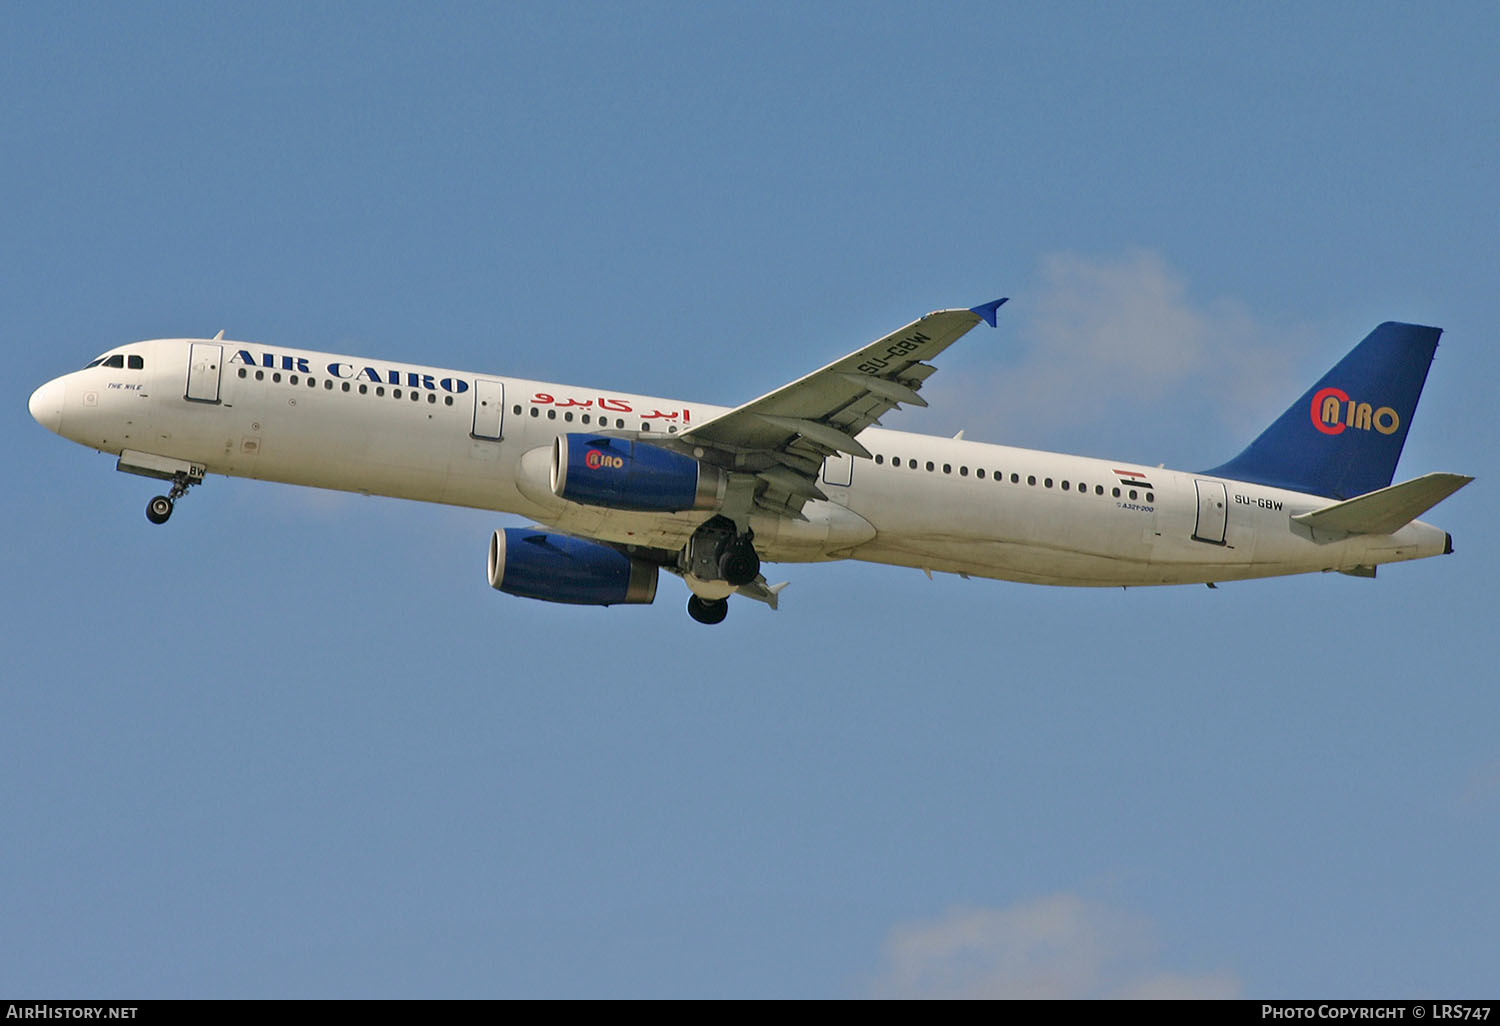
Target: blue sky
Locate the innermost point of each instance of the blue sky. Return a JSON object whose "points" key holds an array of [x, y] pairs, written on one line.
{"points": [[293, 745]]}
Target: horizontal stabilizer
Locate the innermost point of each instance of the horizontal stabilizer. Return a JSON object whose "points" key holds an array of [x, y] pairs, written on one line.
{"points": [[1385, 510]]}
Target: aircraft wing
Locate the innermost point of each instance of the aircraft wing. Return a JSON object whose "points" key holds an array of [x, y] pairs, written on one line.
{"points": [[785, 435]]}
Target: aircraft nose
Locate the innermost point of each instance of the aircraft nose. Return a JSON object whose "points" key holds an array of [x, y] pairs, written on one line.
{"points": [[46, 405]]}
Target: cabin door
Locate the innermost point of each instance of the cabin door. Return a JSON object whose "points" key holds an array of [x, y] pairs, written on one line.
{"points": [[1213, 512], [203, 372]]}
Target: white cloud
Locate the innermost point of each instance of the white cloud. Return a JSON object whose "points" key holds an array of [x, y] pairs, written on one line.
{"points": [[1059, 946], [1116, 348]]}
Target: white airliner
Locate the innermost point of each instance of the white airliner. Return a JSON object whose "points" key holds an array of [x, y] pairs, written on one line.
{"points": [[622, 486]]}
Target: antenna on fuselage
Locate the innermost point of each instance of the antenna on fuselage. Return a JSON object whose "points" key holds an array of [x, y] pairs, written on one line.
{"points": [[219, 336]]}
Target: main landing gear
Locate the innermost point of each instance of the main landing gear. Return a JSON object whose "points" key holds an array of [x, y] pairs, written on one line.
{"points": [[707, 611], [719, 552], [717, 559], [159, 509], [738, 561]]}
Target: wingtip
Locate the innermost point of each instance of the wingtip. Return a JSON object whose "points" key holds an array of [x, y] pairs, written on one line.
{"points": [[986, 311]]}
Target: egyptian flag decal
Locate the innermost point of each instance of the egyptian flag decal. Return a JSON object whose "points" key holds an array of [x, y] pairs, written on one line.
{"points": [[1133, 478]]}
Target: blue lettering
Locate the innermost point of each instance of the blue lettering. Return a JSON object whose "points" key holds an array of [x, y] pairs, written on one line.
{"points": [[458, 386], [393, 377], [341, 370], [268, 361], [368, 374], [243, 356]]}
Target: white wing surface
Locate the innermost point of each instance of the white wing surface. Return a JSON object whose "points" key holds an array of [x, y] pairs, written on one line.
{"points": [[784, 436]]}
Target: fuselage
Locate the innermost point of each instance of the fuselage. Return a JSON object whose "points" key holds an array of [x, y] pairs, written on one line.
{"points": [[468, 439]]}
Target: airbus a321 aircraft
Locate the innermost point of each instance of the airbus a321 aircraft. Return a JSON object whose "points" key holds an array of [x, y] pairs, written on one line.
{"points": [[624, 486]]}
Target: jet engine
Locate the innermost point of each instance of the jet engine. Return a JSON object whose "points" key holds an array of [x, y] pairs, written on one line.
{"points": [[558, 568], [619, 473]]}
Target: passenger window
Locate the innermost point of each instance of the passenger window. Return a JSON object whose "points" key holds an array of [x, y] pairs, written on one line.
{"points": [[1031, 479], [242, 372], [260, 375], [947, 468], [1065, 486], [980, 473], [516, 409], [395, 393], [328, 385], [364, 389], [292, 380], [1016, 479], [447, 400], [879, 459], [551, 414], [930, 466], [586, 418], [1098, 489], [1048, 482], [534, 412]]}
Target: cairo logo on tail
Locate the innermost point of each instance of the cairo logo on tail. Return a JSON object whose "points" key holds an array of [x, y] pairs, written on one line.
{"points": [[1333, 411]]}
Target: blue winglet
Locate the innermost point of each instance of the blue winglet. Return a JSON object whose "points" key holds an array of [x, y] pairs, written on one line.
{"points": [[987, 310]]}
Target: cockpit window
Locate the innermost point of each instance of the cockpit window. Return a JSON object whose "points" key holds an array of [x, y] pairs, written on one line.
{"points": [[120, 361]]}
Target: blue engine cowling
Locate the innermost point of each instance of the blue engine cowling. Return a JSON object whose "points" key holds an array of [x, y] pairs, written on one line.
{"points": [[557, 568], [618, 473]]}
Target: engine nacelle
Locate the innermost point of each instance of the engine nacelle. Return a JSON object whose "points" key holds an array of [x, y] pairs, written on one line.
{"points": [[558, 568], [618, 473]]}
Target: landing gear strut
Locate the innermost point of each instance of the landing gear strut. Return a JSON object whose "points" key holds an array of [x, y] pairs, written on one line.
{"points": [[159, 509], [706, 611]]}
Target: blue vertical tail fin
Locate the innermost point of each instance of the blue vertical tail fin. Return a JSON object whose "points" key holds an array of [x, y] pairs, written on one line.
{"points": [[1344, 436]]}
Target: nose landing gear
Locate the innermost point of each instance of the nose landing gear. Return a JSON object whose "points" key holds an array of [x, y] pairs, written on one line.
{"points": [[159, 509]]}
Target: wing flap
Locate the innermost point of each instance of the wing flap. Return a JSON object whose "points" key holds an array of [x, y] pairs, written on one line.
{"points": [[1385, 510]]}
